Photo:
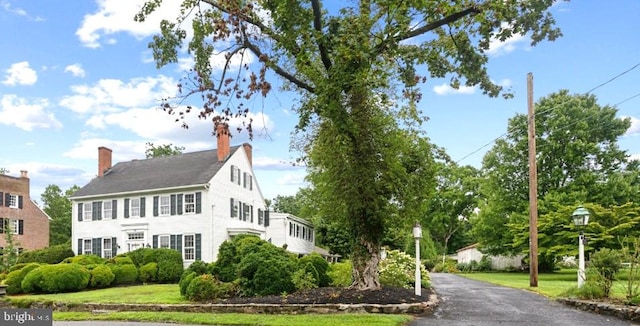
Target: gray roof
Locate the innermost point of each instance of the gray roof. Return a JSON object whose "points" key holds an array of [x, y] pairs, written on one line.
{"points": [[182, 170]]}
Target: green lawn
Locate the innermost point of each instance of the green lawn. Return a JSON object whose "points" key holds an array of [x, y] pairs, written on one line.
{"points": [[553, 285], [170, 294]]}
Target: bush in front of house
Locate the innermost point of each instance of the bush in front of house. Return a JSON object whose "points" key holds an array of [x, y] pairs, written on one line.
{"points": [[122, 260], [231, 252], [305, 278], [605, 263], [14, 278], [124, 273], [321, 266], [185, 280], [85, 260], [398, 270], [139, 257], [16, 267], [267, 270], [170, 265], [206, 287], [52, 255], [101, 276], [148, 272], [57, 278], [341, 274]]}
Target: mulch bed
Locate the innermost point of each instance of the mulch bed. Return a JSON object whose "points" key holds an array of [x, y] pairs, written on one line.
{"points": [[335, 295]]}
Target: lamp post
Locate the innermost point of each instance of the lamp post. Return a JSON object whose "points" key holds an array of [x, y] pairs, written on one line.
{"points": [[417, 234], [580, 218]]}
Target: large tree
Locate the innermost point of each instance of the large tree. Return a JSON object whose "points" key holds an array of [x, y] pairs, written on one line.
{"points": [[578, 162], [357, 67], [58, 206], [152, 150]]}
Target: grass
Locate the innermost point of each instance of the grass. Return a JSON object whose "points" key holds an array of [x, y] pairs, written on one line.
{"points": [[552, 285], [240, 319], [170, 294]]}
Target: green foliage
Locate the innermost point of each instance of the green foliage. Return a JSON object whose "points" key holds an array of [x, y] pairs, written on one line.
{"points": [[148, 272], [231, 252], [483, 265], [17, 267], [14, 279], [265, 269], [8, 253], [124, 273], [320, 265], [122, 260], [170, 265], [341, 274], [449, 266], [605, 264], [185, 280], [101, 277], [57, 204], [85, 260], [152, 151], [51, 255], [57, 278], [198, 266], [631, 254], [398, 270], [140, 256], [206, 287], [303, 279], [590, 290]]}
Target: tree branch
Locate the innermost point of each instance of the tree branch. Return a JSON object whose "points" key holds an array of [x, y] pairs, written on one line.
{"points": [[317, 25]]}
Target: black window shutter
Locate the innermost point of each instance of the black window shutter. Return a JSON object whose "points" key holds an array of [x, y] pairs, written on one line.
{"points": [[1, 198], [142, 206], [156, 199], [126, 208], [251, 210], [244, 179], [198, 202], [266, 218], [114, 210], [231, 206], [172, 242], [198, 246], [20, 226], [1, 225], [173, 204], [94, 210], [232, 172], [180, 204], [7, 199], [250, 182], [79, 247], [155, 241], [80, 211], [114, 247], [179, 243], [20, 202], [96, 247]]}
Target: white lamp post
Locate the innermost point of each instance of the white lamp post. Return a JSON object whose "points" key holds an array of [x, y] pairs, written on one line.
{"points": [[580, 218], [417, 234]]}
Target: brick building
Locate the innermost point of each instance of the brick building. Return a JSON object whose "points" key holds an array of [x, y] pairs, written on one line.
{"points": [[29, 224]]}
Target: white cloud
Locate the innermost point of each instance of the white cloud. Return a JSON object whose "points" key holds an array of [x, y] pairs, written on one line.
{"points": [[498, 47], [446, 89], [75, 69], [6, 6], [26, 115], [113, 95], [292, 179], [274, 164], [124, 150], [635, 126], [635, 157], [113, 17], [20, 74]]}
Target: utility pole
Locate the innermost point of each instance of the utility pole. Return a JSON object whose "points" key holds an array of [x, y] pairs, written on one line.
{"points": [[533, 188]]}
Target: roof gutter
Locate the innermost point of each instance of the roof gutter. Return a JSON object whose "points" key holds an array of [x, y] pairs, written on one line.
{"points": [[144, 191]]}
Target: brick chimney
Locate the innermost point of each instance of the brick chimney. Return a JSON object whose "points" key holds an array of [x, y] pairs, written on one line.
{"points": [[248, 150], [23, 174], [104, 160], [222, 133]]}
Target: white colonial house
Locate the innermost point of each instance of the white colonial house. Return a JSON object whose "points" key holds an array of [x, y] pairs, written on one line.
{"points": [[297, 234], [190, 202]]}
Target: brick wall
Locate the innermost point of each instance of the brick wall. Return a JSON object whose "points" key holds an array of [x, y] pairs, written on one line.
{"points": [[35, 221]]}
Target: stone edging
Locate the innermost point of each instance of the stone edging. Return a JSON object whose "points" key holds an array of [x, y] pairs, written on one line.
{"points": [[404, 308], [616, 310]]}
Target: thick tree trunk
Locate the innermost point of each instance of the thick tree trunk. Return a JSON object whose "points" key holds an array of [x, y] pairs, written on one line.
{"points": [[365, 261]]}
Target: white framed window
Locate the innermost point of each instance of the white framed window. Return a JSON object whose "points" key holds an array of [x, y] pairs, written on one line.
{"points": [[235, 175], [107, 209], [163, 241], [107, 253], [87, 209], [248, 181], [15, 226], [135, 236], [87, 246], [246, 212], [13, 201], [260, 216], [189, 203], [235, 207], [291, 229], [135, 207], [165, 205], [189, 248]]}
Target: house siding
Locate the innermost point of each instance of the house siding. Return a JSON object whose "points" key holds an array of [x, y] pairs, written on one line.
{"points": [[279, 233]]}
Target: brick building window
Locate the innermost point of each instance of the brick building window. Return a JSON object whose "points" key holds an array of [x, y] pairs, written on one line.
{"points": [[13, 201]]}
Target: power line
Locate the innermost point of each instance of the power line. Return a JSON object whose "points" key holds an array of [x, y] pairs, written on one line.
{"points": [[545, 111]]}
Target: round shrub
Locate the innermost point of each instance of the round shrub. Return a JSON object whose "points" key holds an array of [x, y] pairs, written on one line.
{"points": [[170, 265], [124, 274], [16, 267], [51, 255], [148, 272], [231, 252], [267, 271], [58, 278], [14, 279], [305, 278], [101, 277], [122, 260], [31, 282], [341, 274], [321, 266], [198, 266], [206, 287], [84, 260], [398, 270], [140, 256], [185, 280]]}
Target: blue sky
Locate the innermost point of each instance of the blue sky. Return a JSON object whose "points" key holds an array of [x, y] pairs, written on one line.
{"points": [[76, 75]]}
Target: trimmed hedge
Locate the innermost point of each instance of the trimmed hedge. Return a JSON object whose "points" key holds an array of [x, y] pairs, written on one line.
{"points": [[101, 277], [321, 266], [51, 255], [268, 270], [124, 274], [206, 287], [85, 260], [169, 262], [148, 272], [14, 279], [57, 278]]}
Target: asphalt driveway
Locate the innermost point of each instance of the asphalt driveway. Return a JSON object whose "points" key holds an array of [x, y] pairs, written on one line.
{"points": [[469, 302]]}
